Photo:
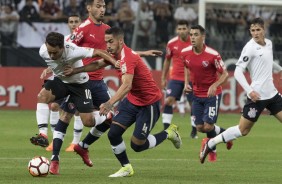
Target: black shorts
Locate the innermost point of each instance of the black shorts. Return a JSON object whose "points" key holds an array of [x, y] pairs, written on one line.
{"points": [[252, 110], [79, 94]]}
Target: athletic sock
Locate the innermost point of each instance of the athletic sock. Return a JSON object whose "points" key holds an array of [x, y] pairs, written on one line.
{"points": [[42, 115], [58, 138], [77, 131]]}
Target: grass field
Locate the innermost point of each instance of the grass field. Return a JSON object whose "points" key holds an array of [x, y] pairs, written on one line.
{"points": [[253, 159]]}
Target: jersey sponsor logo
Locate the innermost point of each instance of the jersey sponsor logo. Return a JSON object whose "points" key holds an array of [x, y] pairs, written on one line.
{"points": [[187, 61], [175, 47], [252, 113], [205, 63], [72, 37], [245, 58]]}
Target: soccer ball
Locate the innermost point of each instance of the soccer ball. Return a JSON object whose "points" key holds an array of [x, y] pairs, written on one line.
{"points": [[39, 166]]}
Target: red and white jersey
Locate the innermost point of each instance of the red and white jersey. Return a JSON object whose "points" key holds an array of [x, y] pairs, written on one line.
{"points": [[91, 35], [204, 69], [72, 55], [144, 89], [173, 52]]}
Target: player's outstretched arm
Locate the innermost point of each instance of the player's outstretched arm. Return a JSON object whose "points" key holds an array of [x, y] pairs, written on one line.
{"points": [[150, 53], [105, 55]]}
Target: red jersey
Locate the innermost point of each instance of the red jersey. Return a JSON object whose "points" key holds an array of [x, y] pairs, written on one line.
{"points": [[203, 68], [144, 89], [92, 35], [173, 51]]}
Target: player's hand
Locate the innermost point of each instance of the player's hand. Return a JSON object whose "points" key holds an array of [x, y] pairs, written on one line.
{"points": [[105, 108], [212, 90], [254, 96], [68, 70], [45, 72], [117, 65], [188, 88]]}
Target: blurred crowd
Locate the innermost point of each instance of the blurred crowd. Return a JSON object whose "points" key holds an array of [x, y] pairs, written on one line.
{"points": [[154, 20]]}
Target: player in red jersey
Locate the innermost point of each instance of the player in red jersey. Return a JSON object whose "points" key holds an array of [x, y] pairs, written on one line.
{"points": [[174, 89], [91, 33], [206, 69], [141, 105]]}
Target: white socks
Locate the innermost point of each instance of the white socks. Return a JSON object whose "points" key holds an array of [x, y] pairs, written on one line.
{"points": [[228, 135], [77, 132], [167, 118], [98, 118], [54, 118], [42, 116]]}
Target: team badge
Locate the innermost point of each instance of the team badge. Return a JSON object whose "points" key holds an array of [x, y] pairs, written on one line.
{"points": [[245, 58], [205, 63], [252, 113], [71, 106]]}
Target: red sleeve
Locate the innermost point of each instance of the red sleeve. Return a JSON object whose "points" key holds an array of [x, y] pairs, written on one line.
{"points": [[219, 64], [168, 54], [78, 35]]}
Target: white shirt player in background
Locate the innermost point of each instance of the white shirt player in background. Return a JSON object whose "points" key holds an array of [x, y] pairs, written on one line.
{"points": [[257, 57], [73, 22]]}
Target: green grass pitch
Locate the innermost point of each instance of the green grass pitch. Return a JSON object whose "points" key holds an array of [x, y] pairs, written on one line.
{"points": [[256, 158]]}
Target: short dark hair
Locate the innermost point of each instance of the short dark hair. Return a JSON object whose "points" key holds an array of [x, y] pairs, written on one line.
{"points": [[115, 31], [257, 20], [55, 39], [183, 22], [202, 30]]}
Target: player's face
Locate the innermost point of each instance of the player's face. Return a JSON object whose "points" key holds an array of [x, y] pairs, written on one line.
{"points": [[54, 52], [197, 39], [73, 22], [182, 31], [97, 10], [257, 32], [113, 44]]}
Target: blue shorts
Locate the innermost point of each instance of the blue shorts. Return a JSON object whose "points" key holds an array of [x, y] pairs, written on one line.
{"points": [[205, 109], [99, 92], [175, 89], [144, 116]]}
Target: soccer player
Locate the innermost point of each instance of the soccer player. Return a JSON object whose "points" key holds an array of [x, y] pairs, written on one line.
{"points": [[42, 139], [91, 33], [208, 73], [257, 57], [174, 89], [141, 105], [57, 53]]}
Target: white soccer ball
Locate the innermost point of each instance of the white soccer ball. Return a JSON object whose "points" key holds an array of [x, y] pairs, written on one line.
{"points": [[39, 166]]}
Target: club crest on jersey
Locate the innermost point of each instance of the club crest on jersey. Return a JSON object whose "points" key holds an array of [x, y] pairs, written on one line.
{"points": [[205, 63], [245, 58], [252, 113]]}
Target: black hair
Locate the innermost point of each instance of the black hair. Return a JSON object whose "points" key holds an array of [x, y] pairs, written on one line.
{"points": [[55, 39], [115, 31], [183, 22], [257, 20], [199, 27]]}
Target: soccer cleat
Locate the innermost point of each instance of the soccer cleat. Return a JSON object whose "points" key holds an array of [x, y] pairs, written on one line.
{"points": [[40, 139], [70, 148], [173, 135], [83, 153], [50, 147], [205, 150], [193, 134], [125, 171], [212, 156], [229, 145], [54, 167]]}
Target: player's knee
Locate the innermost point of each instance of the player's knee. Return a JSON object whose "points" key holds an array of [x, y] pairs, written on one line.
{"points": [[54, 107], [112, 134], [200, 129], [137, 148], [169, 101]]}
